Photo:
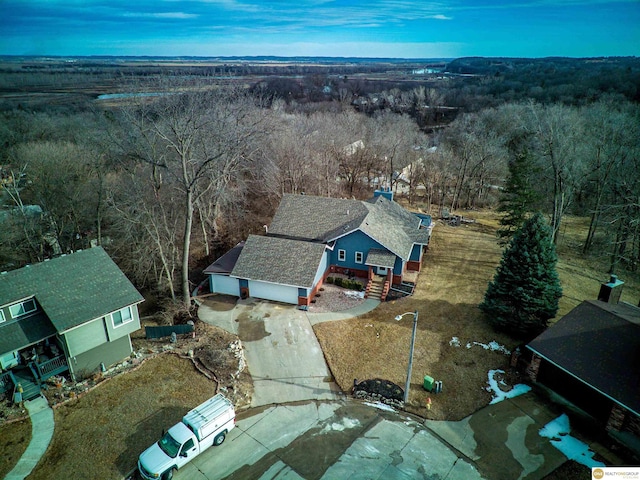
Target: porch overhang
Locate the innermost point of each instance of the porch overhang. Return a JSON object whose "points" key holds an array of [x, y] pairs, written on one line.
{"points": [[26, 331], [380, 258]]}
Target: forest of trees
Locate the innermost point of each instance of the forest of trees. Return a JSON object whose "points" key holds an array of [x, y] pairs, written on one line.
{"points": [[167, 183]]}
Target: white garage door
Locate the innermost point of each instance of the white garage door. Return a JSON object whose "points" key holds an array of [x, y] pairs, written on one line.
{"points": [[224, 284], [271, 291]]}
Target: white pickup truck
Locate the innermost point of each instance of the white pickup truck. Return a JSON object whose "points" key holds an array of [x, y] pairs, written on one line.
{"points": [[202, 427]]}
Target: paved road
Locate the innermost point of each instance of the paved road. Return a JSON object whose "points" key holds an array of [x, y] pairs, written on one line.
{"points": [[328, 440]]}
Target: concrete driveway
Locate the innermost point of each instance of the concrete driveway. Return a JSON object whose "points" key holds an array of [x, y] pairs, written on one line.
{"points": [[328, 440], [283, 355], [289, 440]]}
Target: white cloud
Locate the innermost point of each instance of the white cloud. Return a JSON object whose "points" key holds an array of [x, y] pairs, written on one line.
{"points": [[178, 15]]}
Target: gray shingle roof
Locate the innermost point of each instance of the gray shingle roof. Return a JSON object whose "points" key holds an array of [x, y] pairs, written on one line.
{"points": [[380, 258], [317, 219], [392, 226], [322, 219], [599, 343], [279, 260], [226, 262], [71, 289]]}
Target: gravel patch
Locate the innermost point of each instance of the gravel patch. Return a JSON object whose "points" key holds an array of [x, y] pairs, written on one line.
{"points": [[335, 299]]}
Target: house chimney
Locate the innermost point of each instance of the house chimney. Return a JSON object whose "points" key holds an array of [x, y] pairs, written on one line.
{"points": [[610, 292]]}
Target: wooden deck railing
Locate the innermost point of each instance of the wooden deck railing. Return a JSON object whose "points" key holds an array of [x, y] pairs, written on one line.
{"points": [[7, 381], [51, 367]]}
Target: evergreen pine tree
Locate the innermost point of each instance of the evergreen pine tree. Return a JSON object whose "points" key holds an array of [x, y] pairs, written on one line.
{"points": [[525, 290], [518, 197]]}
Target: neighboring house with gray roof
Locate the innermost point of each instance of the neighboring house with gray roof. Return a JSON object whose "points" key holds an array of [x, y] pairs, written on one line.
{"points": [[310, 237], [73, 313]]}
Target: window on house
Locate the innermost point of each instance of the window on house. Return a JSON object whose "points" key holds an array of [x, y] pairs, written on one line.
{"points": [[359, 257], [342, 255], [22, 308], [1, 316], [122, 316]]}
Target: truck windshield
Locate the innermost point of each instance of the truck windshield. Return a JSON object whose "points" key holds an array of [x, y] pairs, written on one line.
{"points": [[169, 445]]}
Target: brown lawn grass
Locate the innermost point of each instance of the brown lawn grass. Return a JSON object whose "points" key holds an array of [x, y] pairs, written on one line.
{"points": [[14, 439], [456, 269], [101, 434]]}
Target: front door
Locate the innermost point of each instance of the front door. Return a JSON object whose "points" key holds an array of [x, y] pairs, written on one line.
{"points": [[382, 271]]}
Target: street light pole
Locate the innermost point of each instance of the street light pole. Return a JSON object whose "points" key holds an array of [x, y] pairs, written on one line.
{"points": [[413, 342]]}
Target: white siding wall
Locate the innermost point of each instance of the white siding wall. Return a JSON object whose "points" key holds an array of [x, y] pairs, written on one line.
{"points": [[271, 291], [224, 284], [324, 264]]}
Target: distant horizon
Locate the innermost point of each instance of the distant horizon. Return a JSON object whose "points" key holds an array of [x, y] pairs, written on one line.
{"points": [[327, 57], [382, 29]]}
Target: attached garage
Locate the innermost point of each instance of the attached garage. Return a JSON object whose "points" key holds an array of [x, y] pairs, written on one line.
{"points": [[279, 269], [219, 271], [224, 284], [272, 291]]}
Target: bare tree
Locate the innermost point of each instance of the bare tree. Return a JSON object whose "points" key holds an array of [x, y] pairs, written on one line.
{"points": [[559, 134], [203, 143], [612, 137]]}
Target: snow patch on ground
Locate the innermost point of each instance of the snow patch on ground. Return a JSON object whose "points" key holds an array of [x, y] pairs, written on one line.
{"points": [[380, 406], [340, 426], [558, 432], [353, 294], [493, 345], [499, 395]]}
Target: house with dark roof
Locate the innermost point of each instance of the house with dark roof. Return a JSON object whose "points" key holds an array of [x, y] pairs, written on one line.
{"points": [[591, 359], [311, 237], [73, 313]]}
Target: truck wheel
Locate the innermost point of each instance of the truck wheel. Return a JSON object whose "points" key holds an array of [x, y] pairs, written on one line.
{"points": [[219, 439], [168, 475]]}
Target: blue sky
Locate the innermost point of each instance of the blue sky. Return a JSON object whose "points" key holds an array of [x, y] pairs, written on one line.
{"points": [[372, 28]]}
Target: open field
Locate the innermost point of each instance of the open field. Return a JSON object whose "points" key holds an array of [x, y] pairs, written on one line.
{"points": [[456, 269]]}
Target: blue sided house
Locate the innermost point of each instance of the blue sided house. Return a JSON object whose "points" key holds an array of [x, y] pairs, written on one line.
{"points": [[311, 237]]}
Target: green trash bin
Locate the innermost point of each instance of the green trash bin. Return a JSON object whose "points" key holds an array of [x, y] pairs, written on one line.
{"points": [[428, 383]]}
